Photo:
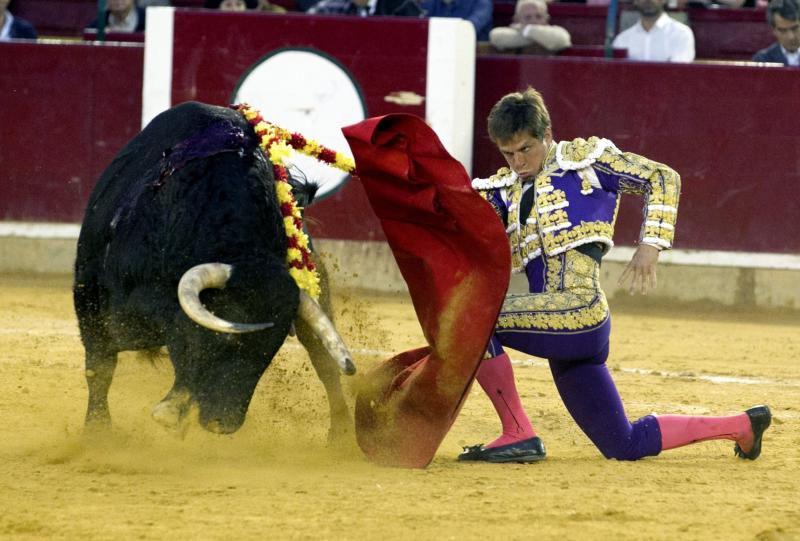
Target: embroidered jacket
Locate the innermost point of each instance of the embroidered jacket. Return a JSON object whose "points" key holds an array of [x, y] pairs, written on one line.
{"points": [[577, 197]]}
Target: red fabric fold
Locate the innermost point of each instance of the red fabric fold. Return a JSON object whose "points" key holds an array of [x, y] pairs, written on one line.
{"points": [[453, 254]]}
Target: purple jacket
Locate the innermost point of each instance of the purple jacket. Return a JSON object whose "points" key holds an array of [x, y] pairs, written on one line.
{"points": [[574, 199]]}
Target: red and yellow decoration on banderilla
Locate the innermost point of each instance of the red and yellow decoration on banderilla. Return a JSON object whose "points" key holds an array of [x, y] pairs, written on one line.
{"points": [[279, 144]]}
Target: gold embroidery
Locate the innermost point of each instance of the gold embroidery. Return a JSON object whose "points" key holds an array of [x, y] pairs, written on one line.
{"points": [[559, 240], [586, 185], [553, 218], [572, 299], [659, 184], [551, 198], [522, 250], [555, 274], [501, 173], [578, 149], [628, 163], [656, 231]]}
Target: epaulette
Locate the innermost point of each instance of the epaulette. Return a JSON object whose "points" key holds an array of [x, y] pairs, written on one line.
{"points": [[580, 153], [503, 178]]}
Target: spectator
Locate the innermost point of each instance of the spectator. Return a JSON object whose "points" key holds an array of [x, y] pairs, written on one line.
{"points": [[269, 7], [656, 37], [231, 5], [146, 3], [13, 27], [364, 8], [304, 5], [122, 16], [530, 28], [478, 12], [784, 18], [243, 5], [717, 3]]}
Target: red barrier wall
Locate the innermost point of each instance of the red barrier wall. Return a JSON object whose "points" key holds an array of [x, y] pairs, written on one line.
{"points": [[67, 109]]}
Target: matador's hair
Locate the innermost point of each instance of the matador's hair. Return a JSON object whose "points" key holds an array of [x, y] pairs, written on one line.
{"points": [[518, 112]]}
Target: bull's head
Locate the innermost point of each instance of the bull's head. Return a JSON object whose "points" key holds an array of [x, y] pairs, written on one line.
{"points": [[222, 409]]}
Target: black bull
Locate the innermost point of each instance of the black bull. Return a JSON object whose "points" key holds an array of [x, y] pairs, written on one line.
{"points": [[193, 188]]}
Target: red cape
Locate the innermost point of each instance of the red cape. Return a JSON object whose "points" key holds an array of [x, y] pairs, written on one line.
{"points": [[453, 253]]}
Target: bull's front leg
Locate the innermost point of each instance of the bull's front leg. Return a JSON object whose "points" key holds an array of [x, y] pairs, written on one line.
{"points": [[327, 370], [100, 366]]}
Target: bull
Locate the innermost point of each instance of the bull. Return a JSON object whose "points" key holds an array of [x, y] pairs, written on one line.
{"points": [[183, 246]]}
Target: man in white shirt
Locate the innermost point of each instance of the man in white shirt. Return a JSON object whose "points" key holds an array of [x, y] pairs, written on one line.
{"points": [[657, 37]]}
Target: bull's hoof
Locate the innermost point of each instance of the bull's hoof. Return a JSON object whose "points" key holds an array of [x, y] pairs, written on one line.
{"points": [[218, 427], [341, 433], [171, 412], [97, 422]]}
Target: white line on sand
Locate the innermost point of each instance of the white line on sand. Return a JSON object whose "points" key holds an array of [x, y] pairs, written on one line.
{"points": [[529, 362]]}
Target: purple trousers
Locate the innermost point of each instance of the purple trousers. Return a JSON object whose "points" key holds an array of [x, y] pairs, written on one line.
{"points": [[565, 319]]}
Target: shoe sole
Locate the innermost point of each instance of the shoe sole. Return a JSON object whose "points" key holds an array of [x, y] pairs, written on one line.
{"points": [[518, 459], [521, 459]]}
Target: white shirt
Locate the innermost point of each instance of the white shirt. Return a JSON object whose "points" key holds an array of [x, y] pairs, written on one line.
{"points": [[5, 32], [792, 59], [667, 41], [128, 24]]}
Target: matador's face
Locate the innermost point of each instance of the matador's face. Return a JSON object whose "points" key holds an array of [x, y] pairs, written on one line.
{"points": [[525, 154]]}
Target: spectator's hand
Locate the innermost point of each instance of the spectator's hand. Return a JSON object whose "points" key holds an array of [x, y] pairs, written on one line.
{"points": [[641, 271]]}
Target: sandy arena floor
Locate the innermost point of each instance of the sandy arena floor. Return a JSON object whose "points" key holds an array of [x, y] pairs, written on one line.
{"points": [[276, 478]]}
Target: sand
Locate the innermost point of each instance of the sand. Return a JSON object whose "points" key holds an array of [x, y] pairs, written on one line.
{"points": [[278, 479]]}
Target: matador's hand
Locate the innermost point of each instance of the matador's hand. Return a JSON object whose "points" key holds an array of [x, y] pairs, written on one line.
{"points": [[641, 271]]}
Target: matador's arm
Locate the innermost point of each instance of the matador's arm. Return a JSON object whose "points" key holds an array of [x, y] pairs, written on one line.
{"points": [[659, 184]]}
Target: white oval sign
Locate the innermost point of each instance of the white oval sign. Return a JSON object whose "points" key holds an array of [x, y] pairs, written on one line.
{"points": [[306, 91]]}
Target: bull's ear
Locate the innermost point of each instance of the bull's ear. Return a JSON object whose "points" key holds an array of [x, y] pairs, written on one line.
{"points": [[311, 192], [304, 189]]}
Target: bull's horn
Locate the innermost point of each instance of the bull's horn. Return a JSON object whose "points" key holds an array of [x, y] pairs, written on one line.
{"points": [[210, 275], [312, 313]]}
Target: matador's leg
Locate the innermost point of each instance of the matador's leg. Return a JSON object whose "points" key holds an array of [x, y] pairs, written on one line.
{"points": [[496, 378]]}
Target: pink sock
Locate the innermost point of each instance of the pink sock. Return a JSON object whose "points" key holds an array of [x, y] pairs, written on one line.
{"points": [[496, 377], [680, 430]]}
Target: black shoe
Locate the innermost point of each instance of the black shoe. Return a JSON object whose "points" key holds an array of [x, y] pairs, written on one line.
{"points": [[760, 419], [530, 450]]}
